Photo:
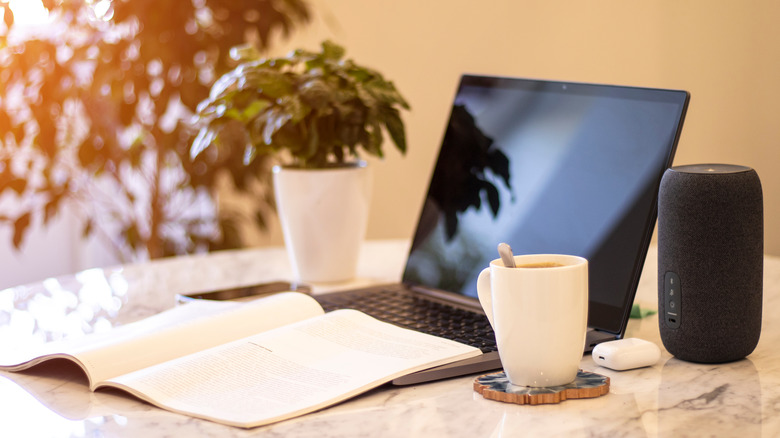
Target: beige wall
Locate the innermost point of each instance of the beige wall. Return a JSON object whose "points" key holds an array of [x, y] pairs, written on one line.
{"points": [[727, 54]]}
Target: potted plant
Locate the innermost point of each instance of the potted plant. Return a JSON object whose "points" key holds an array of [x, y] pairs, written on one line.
{"points": [[314, 113]]}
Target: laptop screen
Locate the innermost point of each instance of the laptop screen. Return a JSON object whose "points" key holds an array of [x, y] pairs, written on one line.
{"points": [[548, 167]]}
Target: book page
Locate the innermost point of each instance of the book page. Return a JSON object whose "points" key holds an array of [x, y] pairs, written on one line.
{"points": [[183, 330], [290, 371]]}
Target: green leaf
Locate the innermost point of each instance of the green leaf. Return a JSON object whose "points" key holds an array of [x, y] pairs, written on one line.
{"points": [[395, 127], [250, 152], [87, 153], [8, 16], [51, 208], [274, 119], [132, 236], [374, 146], [126, 113], [244, 52], [316, 93], [18, 185], [46, 139], [5, 122], [87, 230], [331, 50], [21, 225], [638, 312], [254, 108], [272, 84], [385, 92], [360, 74], [223, 85], [204, 139], [297, 109], [366, 96]]}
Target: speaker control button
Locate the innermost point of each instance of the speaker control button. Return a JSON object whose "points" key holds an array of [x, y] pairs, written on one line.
{"points": [[672, 300]]}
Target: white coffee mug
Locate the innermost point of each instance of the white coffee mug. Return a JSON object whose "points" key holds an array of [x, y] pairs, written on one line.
{"points": [[539, 316]]}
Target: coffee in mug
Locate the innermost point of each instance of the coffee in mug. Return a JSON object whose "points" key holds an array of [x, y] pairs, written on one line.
{"points": [[540, 265]]}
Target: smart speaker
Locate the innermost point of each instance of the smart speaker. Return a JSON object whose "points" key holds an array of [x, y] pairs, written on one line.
{"points": [[710, 261]]}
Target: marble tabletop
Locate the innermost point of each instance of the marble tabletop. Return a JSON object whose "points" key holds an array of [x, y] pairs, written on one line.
{"points": [[672, 398]]}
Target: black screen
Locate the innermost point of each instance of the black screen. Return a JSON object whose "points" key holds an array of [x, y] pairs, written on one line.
{"points": [[548, 167]]}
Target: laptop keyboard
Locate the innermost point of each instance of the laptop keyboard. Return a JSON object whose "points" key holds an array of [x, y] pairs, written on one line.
{"points": [[408, 310]]}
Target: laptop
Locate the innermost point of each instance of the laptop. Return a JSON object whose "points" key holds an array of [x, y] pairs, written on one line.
{"points": [[547, 167]]}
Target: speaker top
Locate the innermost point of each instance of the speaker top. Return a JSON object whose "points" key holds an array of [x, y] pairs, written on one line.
{"points": [[711, 168]]}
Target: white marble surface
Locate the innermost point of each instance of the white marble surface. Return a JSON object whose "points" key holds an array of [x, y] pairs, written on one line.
{"points": [[672, 398]]}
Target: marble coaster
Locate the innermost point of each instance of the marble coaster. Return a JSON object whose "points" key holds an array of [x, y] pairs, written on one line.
{"points": [[496, 386]]}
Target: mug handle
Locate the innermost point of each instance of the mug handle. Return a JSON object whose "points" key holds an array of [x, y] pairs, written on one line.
{"points": [[485, 294]]}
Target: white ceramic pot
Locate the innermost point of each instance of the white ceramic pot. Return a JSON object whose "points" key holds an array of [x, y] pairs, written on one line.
{"points": [[323, 214]]}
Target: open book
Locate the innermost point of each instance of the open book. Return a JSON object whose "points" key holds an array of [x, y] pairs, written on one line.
{"points": [[248, 364]]}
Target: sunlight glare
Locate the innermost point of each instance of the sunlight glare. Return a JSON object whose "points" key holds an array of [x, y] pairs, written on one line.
{"points": [[28, 12]]}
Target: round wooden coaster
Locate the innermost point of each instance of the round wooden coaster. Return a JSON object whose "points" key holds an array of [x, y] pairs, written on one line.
{"points": [[496, 386]]}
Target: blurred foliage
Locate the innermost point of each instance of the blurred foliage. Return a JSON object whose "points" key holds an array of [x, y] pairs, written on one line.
{"points": [[94, 110], [313, 108]]}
